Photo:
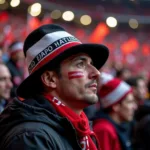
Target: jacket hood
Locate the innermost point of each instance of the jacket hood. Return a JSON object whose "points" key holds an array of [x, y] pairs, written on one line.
{"points": [[37, 109]]}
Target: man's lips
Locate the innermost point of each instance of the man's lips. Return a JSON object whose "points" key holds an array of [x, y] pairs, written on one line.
{"points": [[94, 86]]}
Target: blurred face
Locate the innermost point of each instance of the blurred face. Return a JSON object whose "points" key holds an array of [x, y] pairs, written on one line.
{"points": [[18, 56], [77, 86], [5, 82], [127, 108], [0, 55], [141, 89], [126, 74]]}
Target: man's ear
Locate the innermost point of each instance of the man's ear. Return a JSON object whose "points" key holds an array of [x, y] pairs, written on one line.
{"points": [[49, 79]]}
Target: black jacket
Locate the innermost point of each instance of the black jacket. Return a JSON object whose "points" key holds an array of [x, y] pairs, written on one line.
{"points": [[35, 125], [142, 128]]}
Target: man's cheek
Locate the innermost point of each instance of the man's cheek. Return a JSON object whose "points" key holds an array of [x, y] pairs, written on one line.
{"points": [[75, 74]]}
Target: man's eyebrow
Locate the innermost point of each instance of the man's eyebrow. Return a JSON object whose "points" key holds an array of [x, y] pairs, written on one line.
{"points": [[81, 58], [84, 58]]}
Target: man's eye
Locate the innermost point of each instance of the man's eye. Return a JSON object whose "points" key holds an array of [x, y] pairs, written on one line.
{"points": [[81, 64], [2, 79]]}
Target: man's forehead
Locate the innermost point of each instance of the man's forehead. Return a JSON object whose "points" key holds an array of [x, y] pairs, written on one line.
{"points": [[78, 56], [129, 97], [3, 70]]}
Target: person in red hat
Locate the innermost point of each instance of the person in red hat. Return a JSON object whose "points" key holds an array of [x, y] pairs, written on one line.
{"points": [[16, 65], [62, 81], [112, 123]]}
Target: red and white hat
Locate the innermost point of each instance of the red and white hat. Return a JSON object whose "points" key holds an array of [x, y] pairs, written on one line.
{"points": [[49, 44], [15, 47], [112, 90]]}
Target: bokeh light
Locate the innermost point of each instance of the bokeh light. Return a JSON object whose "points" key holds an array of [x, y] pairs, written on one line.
{"points": [[85, 19], [68, 16], [111, 22]]}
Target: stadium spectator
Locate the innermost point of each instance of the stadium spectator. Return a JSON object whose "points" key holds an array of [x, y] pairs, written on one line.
{"points": [[5, 86], [112, 123], [16, 64], [63, 80], [140, 89]]}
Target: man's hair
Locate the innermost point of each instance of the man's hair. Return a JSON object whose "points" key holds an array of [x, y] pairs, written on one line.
{"points": [[120, 72], [133, 81]]}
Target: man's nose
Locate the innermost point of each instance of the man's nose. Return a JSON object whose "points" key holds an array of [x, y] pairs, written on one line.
{"points": [[94, 73], [9, 84]]}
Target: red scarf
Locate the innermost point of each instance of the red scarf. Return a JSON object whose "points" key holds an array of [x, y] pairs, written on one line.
{"points": [[80, 123]]}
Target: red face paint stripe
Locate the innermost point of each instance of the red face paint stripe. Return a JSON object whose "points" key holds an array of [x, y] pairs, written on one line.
{"points": [[75, 74]]}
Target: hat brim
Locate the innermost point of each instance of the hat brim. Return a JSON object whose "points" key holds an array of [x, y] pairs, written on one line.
{"points": [[98, 53]]}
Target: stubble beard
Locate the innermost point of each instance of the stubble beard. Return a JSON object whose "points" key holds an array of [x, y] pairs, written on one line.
{"points": [[91, 99]]}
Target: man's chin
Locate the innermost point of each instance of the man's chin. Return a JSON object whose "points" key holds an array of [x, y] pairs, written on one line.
{"points": [[92, 99]]}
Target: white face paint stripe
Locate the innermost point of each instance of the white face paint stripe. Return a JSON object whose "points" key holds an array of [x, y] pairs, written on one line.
{"points": [[117, 94], [47, 40]]}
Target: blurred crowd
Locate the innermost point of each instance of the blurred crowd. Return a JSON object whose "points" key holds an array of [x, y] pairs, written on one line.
{"points": [[122, 121], [119, 40]]}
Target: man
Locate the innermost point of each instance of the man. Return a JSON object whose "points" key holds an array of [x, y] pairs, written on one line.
{"points": [[63, 80], [118, 104], [140, 88], [16, 65], [5, 86]]}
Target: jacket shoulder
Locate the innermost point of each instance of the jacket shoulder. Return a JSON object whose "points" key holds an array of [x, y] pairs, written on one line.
{"points": [[107, 134], [39, 134], [104, 126]]}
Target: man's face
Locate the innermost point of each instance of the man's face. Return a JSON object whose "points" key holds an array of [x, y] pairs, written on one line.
{"points": [[77, 86], [18, 56], [127, 108], [141, 89], [5, 82], [0, 55]]}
